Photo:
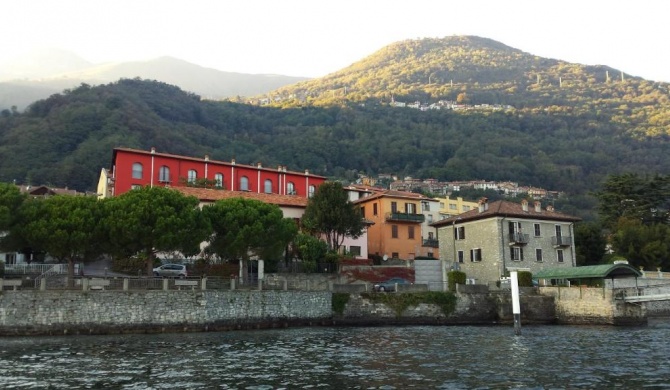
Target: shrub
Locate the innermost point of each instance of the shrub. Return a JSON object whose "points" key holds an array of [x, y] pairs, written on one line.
{"points": [[454, 278], [340, 301], [400, 302], [525, 279]]}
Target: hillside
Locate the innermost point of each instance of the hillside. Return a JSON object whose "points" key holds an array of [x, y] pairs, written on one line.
{"points": [[24, 82], [565, 137]]}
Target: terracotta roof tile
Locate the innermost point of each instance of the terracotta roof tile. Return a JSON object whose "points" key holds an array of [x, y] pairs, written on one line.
{"points": [[212, 195], [507, 209]]}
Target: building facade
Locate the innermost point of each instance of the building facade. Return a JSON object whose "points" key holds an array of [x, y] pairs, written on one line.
{"points": [[396, 218], [133, 168], [488, 241]]}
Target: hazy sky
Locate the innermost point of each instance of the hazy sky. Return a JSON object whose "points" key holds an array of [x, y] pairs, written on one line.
{"points": [[315, 37]]}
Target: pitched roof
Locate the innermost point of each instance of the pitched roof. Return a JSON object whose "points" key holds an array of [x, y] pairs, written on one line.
{"points": [[392, 194], [212, 195], [588, 272], [506, 209]]}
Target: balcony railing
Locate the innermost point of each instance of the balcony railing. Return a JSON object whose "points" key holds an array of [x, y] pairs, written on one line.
{"points": [[518, 239], [431, 242], [561, 241], [405, 217]]}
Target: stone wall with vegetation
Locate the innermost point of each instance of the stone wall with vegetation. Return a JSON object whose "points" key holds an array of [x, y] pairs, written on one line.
{"points": [[593, 305]]}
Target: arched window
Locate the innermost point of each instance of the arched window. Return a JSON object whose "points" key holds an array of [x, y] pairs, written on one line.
{"points": [[218, 178], [192, 175], [268, 186], [290, 188], [312, 190], [137, 171], [164, 174], [244, 183]]}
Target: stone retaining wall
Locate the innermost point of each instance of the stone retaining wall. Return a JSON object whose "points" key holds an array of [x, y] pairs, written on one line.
{"points": [[593, 305], [66, 312]]}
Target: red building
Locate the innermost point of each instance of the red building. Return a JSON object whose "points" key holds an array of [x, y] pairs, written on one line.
{"points": [[133, 168]]}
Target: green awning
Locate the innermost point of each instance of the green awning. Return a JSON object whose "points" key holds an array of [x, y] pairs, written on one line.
{"points": [[603, 271]]}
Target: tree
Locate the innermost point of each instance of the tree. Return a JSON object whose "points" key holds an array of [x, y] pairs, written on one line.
{"points": [[310, 250], [11, 200], [154, 219], [330, 213], [643, 245], [590, 243], [66, 227], [242, 228]]}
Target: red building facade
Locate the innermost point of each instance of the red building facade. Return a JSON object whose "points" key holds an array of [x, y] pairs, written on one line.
{"points": [[133, 168]]}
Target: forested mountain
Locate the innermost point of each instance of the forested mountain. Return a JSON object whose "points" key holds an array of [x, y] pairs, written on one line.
{"points": [[570, 127]]}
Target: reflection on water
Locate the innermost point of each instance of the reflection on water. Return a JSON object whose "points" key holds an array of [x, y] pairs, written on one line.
{"points": [[422, 357]]}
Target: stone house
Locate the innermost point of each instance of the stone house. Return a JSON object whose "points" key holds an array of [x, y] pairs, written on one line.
{"points": [[489, 240]]}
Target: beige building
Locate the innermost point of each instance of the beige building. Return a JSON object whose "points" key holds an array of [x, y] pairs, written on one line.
{"points": [[492, 238], [450, 207]]}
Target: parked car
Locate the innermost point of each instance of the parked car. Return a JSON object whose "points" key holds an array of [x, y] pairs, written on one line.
{"points": [[171, 270], [390, 285]]}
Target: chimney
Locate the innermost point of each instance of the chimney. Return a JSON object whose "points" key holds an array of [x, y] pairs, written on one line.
{"points": [[524, 205], [259, 165], [207, 157], [550, 208], [279, 168], [232, 161], [306, 171], [483, 204], [153, 150], [538, 206]]}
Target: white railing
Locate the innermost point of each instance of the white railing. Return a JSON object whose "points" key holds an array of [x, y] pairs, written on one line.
{"points": [[55, 269], [29, 268]]}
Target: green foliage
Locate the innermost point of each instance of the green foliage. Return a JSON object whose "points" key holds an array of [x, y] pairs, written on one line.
{"points": [[135, 265], [310, 250], [330, 213], [525, 279], [11, 200], [400, 302], [454, 278], [590, 243], [66, 227], [642, 245], [340, 301], [634, 197], [154, 219], [245, 227]]}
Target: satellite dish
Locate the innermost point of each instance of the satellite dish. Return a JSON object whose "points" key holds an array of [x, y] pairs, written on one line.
{"points": [[385, 257]]}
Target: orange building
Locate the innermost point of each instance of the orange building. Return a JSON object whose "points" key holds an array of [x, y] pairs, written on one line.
{"points": [[397, 217]]}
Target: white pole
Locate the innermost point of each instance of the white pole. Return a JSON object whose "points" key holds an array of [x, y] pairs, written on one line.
{"points": [[516, 307]]}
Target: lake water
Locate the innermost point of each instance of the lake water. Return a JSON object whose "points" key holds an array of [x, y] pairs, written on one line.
{"points": [[412, 357]]}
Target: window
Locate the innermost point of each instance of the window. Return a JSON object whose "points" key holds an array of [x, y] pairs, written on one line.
{"points": [[355, 250], [453, 206], [192, 175], [394, 207], [135, 187], [363, 211], [311, 190], [538, 254], [430, 235], [410, 232], [290, 188], [394, 231], [268, 186], [466, 208], [559, 255], [244, 183], [461, 257], [459, 233], [164, 174], [430, 218], [10, 258], [536, 227], [395, 255], [516, 253], [374, 209], [137, 171], [514, 227], [475, 255], [430, 254], [425, 206], [218, 178]]}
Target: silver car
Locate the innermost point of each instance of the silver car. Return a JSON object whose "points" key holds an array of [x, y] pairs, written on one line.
{"points": [[171, 270]]}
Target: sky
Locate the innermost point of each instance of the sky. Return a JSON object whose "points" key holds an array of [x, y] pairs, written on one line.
{"points": [[312, 38]]}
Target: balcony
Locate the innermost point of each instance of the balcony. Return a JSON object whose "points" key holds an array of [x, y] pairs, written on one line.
{"points": [[431, 242], [518, 239], [405, 217], [561, 241]]}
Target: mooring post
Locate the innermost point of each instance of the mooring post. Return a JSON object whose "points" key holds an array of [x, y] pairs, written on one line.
{"points": [[516, 307]]}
